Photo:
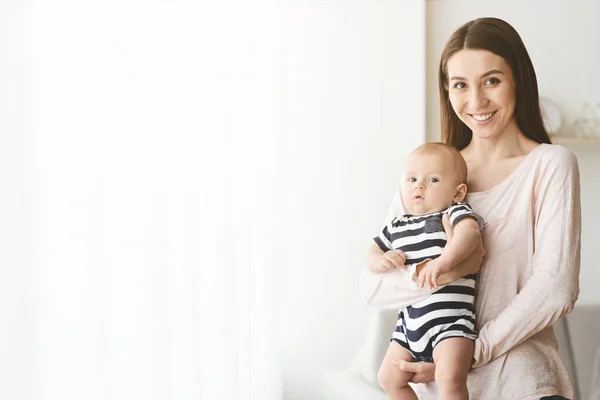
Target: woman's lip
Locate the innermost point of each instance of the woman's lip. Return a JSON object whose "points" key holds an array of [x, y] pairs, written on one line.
{"points": [[487, 120], [482, 113]]}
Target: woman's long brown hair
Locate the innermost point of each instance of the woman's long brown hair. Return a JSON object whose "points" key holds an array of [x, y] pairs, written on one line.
{"points": [[500, 38]]}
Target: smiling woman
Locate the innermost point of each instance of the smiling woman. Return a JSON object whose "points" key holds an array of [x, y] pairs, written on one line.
{"points": [[482, 81], [527, 192]]}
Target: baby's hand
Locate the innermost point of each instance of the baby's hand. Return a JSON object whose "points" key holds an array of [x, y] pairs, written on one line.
{"points": [[429, 275], [390, 260]]}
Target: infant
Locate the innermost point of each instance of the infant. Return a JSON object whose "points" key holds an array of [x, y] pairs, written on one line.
{"points": [[441, 328]]}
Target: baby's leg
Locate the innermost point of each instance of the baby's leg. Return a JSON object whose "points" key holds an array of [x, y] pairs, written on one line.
{"points": [[393, 380], [453, 359]]}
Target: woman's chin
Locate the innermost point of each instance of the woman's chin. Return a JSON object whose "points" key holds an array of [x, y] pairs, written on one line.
{"points": [[484, 133]]}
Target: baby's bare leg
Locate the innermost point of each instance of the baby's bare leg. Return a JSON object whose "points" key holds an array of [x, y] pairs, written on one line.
{"points": [[393, 380], [453, 359]]}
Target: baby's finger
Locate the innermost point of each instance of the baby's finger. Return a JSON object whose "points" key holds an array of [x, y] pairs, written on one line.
{"points": [[387, 263], [402, 255], [396, 259]]}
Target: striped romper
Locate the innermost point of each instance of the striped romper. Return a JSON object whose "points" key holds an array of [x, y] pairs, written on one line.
{"points": [[449, 311]]}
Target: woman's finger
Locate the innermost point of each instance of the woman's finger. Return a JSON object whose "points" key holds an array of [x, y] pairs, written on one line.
{"points": [[447, 228], [423, 372], [407, 366], [422, 278], [481, 249], [430, 280]]}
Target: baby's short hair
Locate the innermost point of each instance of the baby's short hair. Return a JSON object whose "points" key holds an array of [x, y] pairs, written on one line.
{"points": [[440, 148]]}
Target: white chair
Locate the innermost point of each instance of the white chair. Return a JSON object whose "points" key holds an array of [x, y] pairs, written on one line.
{"points": [[359, 380]]}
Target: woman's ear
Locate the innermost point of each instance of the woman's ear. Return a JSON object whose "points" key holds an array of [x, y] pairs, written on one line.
{"points": [[461, 193]]}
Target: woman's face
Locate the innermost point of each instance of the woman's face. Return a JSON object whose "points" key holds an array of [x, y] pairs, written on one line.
{"points": [[482, 92]]}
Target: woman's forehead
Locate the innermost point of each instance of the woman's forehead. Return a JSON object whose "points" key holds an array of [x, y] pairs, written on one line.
{"points": [[475, 63]]}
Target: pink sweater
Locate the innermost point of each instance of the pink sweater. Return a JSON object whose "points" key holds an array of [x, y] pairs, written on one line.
{"points": [[529, 279]]}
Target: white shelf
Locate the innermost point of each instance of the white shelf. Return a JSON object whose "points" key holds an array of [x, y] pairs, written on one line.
{"points": [[574, 140]]}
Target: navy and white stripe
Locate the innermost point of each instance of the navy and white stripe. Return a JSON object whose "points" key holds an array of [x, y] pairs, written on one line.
{"points": [[448, 312], [422, 237]]}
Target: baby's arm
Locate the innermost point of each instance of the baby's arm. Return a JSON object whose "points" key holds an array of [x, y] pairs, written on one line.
{"points": [[466, 238], [382, 257], [380, 261]]}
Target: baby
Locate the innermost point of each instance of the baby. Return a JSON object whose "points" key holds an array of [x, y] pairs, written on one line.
{"points": [[441, 328]]}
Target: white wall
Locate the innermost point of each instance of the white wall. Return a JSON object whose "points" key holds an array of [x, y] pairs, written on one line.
{"points": [[353, 105], [16, 342], [126, 129], [563, 40]]}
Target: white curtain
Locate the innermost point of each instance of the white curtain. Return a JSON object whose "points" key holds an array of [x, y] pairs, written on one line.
{"points": [[141, 220]]}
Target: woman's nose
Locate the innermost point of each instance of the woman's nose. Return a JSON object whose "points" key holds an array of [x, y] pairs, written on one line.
{"points": [[477, 99]]}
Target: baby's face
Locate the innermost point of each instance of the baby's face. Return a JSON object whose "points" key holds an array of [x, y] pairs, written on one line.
{"points": [[430, 183]]}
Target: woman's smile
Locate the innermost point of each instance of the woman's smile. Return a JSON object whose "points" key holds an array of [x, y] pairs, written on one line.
{"points": [[483, 119]]}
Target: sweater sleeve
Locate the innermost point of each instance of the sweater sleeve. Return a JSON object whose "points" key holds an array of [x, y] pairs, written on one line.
{"points": [[553, 287], [392, 289]]}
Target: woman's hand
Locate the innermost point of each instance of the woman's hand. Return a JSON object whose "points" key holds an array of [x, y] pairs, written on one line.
{"points": [[423, 371], [430, 275], [469, 265]]}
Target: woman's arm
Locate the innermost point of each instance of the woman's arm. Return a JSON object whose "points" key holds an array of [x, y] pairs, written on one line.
{"points": [[553, 288], [391, 289], [396, 288]]}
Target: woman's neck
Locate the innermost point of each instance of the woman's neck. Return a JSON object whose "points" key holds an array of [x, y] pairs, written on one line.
{"points": [[509, 144]]}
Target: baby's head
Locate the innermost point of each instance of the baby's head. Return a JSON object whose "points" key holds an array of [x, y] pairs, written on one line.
{"points": [[435, 178]]}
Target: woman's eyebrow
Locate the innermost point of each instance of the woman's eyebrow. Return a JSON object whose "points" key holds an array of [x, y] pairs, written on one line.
{"points": [[490, 72]]}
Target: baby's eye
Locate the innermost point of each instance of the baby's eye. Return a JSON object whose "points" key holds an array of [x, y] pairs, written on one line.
{"points": [[412, 180], [492, 81], [433, 180], [460, 85]]}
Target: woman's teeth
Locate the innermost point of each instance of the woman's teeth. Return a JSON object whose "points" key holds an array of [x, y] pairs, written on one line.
{"points": [[483, 117]]}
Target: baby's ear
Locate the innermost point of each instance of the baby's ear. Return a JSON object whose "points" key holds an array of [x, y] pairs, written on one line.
{"points": [[461, 193]]}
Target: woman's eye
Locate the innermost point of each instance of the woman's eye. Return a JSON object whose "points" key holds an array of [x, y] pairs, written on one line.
{"points": [[460, 85], [433, 180], [492, 81]]}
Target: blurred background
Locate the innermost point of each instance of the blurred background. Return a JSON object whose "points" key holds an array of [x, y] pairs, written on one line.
{"points": [[189, 188]]}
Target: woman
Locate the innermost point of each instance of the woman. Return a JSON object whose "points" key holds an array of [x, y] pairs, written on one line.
{"points": [[527, 192]]}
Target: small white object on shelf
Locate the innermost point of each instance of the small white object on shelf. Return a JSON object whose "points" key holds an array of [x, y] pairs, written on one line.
{"points": [[588, 124], [551, 115]]}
